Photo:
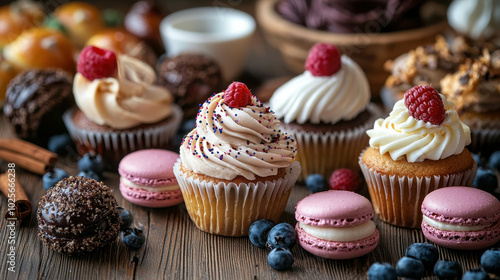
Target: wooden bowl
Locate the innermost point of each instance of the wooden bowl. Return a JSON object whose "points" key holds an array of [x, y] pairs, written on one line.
{"points": [[369, 50]]}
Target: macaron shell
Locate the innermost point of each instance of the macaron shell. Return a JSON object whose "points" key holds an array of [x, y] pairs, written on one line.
{"points": [[337, 250], [334, 208], [150, 167], [151, 199], [463, 240]]}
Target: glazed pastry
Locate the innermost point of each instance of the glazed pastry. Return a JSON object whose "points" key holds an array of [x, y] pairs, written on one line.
{"points": [[191, 78], [81, 20], [41, 48], [78, 215], [35, 102], [18, 17], [475, 18]]}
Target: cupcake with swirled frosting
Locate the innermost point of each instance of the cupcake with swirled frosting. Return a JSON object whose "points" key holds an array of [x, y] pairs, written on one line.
{"points": [[236, 166], [419, 147], [327, 109], [119, 108]]}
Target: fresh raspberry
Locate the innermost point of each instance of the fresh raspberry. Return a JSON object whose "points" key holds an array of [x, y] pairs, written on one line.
{"points": [[323, 60], [237, 95], [95, 63], [424, 103], [344, 179]]}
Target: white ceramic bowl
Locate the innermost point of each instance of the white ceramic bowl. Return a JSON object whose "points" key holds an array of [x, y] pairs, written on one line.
{"points": [[221, 33]]}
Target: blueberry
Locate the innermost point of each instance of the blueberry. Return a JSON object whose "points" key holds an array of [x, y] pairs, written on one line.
{"points": [[60, 143], [280, 259], [495, 161], [126, 217], [382, 271], [476, 274], [91, 162], [485, 180], [52, 177], [133, 238], [89, 174], [188, 125], [316, 182], [448, 270], [410, 268], [258, 232], [424, 252], [281, 236], [478, 160], [490, 261]]}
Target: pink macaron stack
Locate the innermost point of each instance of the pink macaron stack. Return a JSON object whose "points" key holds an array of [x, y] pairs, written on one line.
{"points": [[461, 218], [147, 178], [336, 225]]}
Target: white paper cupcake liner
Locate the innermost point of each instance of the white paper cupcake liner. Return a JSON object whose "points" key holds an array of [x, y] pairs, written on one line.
{"points": [[397, 199], [114, 145], [229, 209]]}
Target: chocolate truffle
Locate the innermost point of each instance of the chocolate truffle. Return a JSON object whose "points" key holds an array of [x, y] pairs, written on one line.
{"points": [[78, 215], [191, 78], [35, 101]]}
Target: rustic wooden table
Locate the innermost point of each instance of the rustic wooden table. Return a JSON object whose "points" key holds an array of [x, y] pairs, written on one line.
{"points": [[175, 248]]}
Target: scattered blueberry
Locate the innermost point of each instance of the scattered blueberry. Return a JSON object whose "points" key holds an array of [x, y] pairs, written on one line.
{"points": [[490, 261], [410, 268], [478, 160], [316, 182], [280, 259], [89, 174], [281, 236], [259, 231], [133, 238], [495, 161], [60, 143], [485, 180], [382, 271], [424, 252], [188, 125], [448, 270], [52, 177], [126, 217], [475, 274], [92, 162]]}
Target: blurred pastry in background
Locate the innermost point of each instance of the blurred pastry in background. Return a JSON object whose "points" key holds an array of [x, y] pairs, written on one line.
{"points": [[476, 19], [18, 17]]}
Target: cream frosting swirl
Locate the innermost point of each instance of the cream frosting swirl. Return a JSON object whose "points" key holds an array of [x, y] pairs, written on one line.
{"points": [[125, 100], [326, 99], [229, 142], [475, 18], [402, 135]]}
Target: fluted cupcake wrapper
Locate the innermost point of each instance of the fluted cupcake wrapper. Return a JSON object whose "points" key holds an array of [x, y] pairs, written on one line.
{"points": [[114, 145], [229, 209], [397, 199]]}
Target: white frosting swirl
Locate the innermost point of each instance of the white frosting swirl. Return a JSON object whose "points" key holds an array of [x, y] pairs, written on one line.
{"points": [[124, 101], [475, 18], [402, 135], [327, 99], [228, 142]]}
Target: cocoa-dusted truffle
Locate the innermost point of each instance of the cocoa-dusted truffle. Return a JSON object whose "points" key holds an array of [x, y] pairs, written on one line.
{"points": [[35, 101], [191, 78], [78, 215]]}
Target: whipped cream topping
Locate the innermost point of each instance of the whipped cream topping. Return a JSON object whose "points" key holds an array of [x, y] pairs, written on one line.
{"points": [[475, 18], [228, 142], [125, 100], [323, 99], [402, 135], [344, 234], [451, 227]]}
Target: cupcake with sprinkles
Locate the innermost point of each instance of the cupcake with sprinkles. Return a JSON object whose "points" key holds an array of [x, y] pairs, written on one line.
{"points": [[236, 166]]}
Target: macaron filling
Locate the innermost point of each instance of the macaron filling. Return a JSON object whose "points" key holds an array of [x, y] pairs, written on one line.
{"points": [[341, 234], [158, 188], [452, 227]]}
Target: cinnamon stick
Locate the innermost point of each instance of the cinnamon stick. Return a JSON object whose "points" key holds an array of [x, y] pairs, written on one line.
{"points": [[27, 155], [25, 162], [22, 206]]}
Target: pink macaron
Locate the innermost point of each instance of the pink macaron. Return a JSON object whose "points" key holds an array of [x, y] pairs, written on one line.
{"points": [[336, 225], [462, 218], [147, 178]]}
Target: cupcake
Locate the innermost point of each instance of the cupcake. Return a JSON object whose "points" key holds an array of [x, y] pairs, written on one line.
{"points": [[418, 148], [475, 90], [236, 166], [477, 19], [327, 109], [119, 109]]}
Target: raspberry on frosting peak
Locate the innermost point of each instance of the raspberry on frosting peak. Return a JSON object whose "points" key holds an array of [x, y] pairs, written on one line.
{"points": [[95, 63], [237, 95], [323, 60], [424, 103]]}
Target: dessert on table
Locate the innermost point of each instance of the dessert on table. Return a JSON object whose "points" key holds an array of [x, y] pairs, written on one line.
{"points": [[17, 17]]}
